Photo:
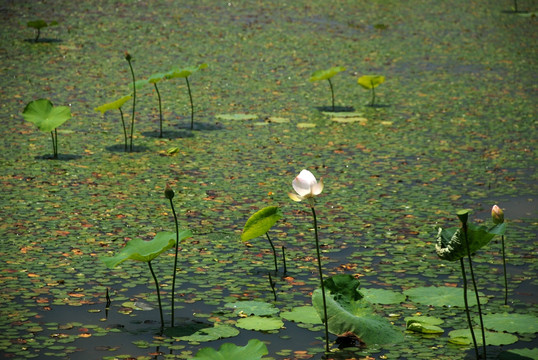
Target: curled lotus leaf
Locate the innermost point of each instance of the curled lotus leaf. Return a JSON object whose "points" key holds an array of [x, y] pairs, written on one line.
{"points": [[113, 105], [260, 222], [450, 244], [326, 74]]}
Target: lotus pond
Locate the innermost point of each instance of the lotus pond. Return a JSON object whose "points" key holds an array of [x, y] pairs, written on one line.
{"points": [[453, 126]]}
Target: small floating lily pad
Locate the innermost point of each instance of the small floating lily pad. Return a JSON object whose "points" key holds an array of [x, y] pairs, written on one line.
{"points": [[302, 314], [259, 323], [513, 323], [237, 117], [424, 324], [382, 296], [254, 350], [343, 114], [212, 333], [253, 308], [278, 120], [348, 120], [463, 337], [442, 296], [306, 125]]}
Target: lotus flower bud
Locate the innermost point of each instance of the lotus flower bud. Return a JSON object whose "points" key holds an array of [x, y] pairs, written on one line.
{"points": [[128, 56], [497, 215], [168, 192]]}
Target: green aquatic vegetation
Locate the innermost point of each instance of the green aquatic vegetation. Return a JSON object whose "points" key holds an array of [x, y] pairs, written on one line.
{"points": [[47, 118], [117, 104], [424, 324], [254, 350], [371, 82], [154, 79], [129, 58], [306, 188], [185, 73], [327, 75], [38, 25], [260, 223]]}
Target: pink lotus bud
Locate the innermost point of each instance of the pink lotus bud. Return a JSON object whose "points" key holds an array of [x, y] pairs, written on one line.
{"points": [[497, 215]]}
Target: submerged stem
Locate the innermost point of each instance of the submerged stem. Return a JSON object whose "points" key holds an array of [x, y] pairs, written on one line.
{"points": [[505, 276], [325, 319], [124, 129], [175, 260], [160, 111], [158, 293], [192, 104], [332, 91], [274, 251], [467, 307]]}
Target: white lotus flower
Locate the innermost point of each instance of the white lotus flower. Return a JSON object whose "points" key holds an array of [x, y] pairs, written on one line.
{"points": [[306, 186]]}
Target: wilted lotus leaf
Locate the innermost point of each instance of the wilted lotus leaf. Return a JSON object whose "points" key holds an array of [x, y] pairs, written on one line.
{"points": [[450, 244]]}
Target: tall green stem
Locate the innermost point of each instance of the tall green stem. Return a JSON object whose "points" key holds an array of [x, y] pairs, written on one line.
{"points": [[175, 260], [373, 93], [505, 276], [39, 32], [284, 259], [475, 289], [124, 129], [134, 102], [332, 91], [192, 104], [274, 251], [467, 307], [54, 135], [325, 318], [160, 111], [158, 293]]}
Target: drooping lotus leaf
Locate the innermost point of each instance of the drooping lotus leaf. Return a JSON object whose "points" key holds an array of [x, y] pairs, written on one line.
{"points": [[184, 72], [424, 324], [370, 81], [450, 244], [254, 350], [46, 116], [347, 311], [113, 105], [252, 308], [382, 296], [259, 323], [513, 323], [463, 337], [260, 222], [326, 74], [145, 251], [442, 296], [302, 314]]}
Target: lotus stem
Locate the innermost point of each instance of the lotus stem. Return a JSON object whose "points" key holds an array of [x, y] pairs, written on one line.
{"points": [[274, 251], [284, 258], [54, 135], [175, 260], [124, 129], [108, 302], [467, 307], [134, 102], [515, 5], [192, 104], [505, 276], [325, 318], [158, 293], [39, 33], [475, 289], [272, 285], [160, 111], [373, 93], [332, 92]]}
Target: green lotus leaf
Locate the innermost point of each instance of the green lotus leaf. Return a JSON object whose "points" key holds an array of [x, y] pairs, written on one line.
{"points": [[513, 323], [492, 338], [498, 229], [450, 244], [213, 333], [519, 354], [39, 24], [113, 105], [326, 74], [254, 350], [139, 84], [253, 308], [260, 222], [370, 81], [382, 296], [237, 116], [347, 311], [302, 314], [45, 116], [442, 296], [145, 251], [184, 72], [259, 323], [424, 324], [429, 320]]}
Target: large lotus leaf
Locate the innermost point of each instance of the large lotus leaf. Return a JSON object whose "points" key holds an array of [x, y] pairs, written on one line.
{"points": [[45, 116], [259, 323], [442, 296], [302, 314], [184, 72], [326, 74], [253, 308], [519, 354], [348, 312], [370, 81], [463, 337], [382, 296], [145, 251], [513, 323], [113, 105], [450, 244], [254, 350], [260, 222]]}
